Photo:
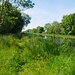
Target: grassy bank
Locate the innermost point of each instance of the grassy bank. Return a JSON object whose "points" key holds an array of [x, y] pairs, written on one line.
{"points": [[49, 35], [35, 55]]}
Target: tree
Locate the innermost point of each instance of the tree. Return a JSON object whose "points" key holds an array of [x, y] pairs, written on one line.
{"points": [[40, 29], [56, 27], [53, 28], [23, 3], [34, 30], [47, 26], [11, 18], [68, 23]]}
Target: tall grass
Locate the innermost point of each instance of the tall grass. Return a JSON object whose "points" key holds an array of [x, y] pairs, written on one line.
{"points": [[34, 55]]}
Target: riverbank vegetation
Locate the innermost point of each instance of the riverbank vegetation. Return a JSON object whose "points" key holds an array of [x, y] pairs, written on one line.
{"points": [[37, 51], [30, 55]]}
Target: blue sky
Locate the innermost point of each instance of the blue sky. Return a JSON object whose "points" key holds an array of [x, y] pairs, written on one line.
{"points": [[47, 11]]}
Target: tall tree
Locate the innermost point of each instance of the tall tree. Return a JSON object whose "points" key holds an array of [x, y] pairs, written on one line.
{"points": [[11, 20], [47, 26], [68, 23], [55, 27], [11, 17]]}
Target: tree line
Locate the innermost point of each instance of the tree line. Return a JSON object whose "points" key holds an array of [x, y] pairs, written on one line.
{"points": [[12, 20], [65, 27]]}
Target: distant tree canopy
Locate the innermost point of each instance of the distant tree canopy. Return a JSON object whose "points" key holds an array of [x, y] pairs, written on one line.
{"points": [[66, 26], [47, 26], [39, 29], [11, 18], [68, 23], [53, 28], [56, 27]]}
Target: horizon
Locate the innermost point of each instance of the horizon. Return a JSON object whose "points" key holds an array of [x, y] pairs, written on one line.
{"points": [[47, 11]]}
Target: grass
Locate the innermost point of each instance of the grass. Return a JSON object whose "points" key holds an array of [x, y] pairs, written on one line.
{"points": [[34, 55]]}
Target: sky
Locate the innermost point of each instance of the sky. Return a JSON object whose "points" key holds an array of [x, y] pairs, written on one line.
{"points": [[47, 11]]}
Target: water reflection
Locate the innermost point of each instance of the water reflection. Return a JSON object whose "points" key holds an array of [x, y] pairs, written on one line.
{"points": [[70, 42]]}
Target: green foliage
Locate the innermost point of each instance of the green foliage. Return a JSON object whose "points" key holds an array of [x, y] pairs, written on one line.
{"points": [[47, 26], [56, 27], [36, 55], [68, 23], [39, 29], [11, 20], [34, 30], [23, 3], [53, 28]]}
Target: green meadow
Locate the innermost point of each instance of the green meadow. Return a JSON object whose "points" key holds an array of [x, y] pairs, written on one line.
{"points": [[36, 55]]}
